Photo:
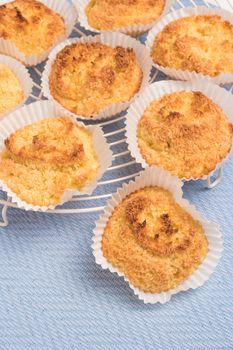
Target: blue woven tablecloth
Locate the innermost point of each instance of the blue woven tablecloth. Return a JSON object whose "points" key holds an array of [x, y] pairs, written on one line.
{"points": [[54, 297]]}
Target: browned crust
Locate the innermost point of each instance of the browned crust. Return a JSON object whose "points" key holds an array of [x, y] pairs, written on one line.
{"points": [[153, 241], [52, 140], [30, 25], [47, 157], [186, 133], [86, 78], [198, 43], [108, 14]]}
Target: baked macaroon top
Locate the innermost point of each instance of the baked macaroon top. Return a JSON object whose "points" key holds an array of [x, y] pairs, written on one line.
{"points": [[52, 140], [30, 25], [87, 77], [154, 242], [45, 158], [114, 14], [185, 133], [11, 92], [197, 43]]}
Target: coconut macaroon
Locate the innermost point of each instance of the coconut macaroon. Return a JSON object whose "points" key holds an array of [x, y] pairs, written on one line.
{"points": [[11, 92], [109, 15], [30, 25], [43, 159], [154, 242], [185, 133], [87, 77], [197, 43], [52, 140]]}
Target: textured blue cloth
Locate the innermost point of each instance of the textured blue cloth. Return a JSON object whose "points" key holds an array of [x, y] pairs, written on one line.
{"points": [[54, 297]]}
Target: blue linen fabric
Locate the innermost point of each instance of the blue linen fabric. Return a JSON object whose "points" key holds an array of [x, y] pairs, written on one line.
{"points": [[54, 297]]}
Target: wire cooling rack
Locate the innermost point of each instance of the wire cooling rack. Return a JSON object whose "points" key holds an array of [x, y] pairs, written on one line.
{"points": [[124, 168]]}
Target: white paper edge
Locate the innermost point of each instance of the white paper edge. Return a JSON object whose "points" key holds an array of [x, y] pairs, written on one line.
{"points": [[154, 176], [41, 110], [179, 74], [66, 10], [112, 39]]}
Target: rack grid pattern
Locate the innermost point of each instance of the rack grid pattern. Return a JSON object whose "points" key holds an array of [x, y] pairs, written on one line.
{"points": [[124, 168]]}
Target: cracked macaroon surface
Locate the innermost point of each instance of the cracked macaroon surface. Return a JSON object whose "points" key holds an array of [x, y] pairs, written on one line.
{"points": [[30, 25], [154, 242], [45, 158], [197, 43], [113, 14], [11, 92], [87, 77], [185, 133]]}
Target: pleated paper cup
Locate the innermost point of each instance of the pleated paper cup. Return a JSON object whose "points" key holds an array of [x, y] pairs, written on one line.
{"points": [[112, 39], [155, 91], [66, 10], [179, 74], [46, 109], [133, 30], [23, 76], [154, 176]]}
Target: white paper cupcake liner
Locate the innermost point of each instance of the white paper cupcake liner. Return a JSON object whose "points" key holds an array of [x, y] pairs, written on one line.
{"points": [[179, 74], [23, 76], [112, 39], [155, 91], [41, 110], [133, 30], [154, 176], [66, 10]]}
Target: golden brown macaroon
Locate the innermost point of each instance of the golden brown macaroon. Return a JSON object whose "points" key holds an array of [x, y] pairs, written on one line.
{"points": [[52, 140], [109, 14], [185, 133], [86, 78], [198, 43], [45, 158], [30, 25], [11, 92], [154, 242]]}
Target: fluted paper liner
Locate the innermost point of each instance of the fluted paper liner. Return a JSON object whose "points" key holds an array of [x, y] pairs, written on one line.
{"points": [[41, 110], [133, 30], [112, 39], [155, 91], [179, 74], [154, 176], [66, 10], [23, 76]]}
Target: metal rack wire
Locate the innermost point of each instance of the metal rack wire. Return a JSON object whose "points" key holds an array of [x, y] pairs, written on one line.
{"points": [[124, 167]]}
